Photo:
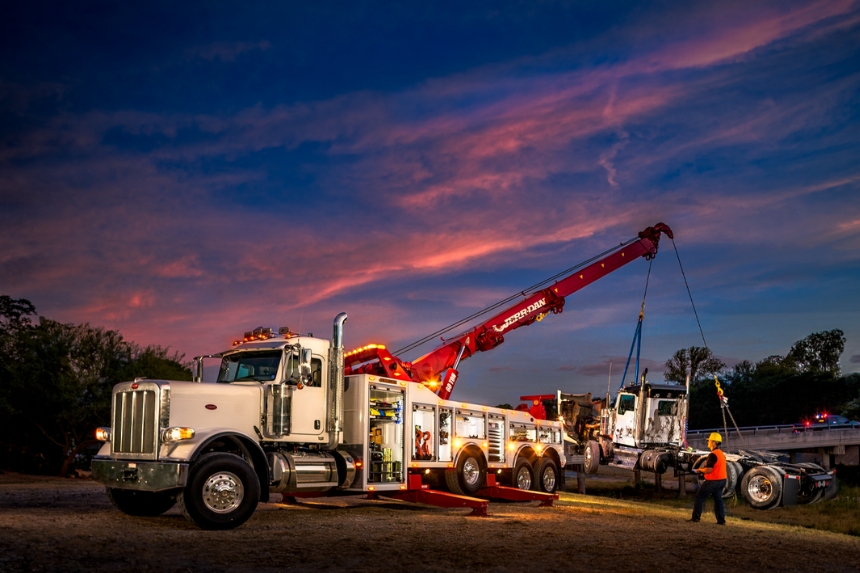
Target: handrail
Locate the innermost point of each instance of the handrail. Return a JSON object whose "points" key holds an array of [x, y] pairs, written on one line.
{"points": [[795, 428]]}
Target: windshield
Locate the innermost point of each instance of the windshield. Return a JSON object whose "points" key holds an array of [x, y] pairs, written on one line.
{"points": [[243, 366]]}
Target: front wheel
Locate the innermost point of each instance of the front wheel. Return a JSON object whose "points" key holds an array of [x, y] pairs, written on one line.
{"points": [[222, 492], [548, 476], [468, 477], [141, 503]]}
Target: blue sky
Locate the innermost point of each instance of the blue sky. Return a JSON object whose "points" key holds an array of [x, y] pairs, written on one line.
{"points": [[183, 173]]}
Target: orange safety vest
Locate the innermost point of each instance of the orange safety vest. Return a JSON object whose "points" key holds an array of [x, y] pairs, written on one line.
{"points": [[719, 470]]}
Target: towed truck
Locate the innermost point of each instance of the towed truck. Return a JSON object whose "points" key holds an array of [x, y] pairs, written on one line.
{"points": [[645, 429], [283, 418]]}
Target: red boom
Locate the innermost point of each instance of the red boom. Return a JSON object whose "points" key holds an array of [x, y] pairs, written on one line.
{"points": [[446, 357]]}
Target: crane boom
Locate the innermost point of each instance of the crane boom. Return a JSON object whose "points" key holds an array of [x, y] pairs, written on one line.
{"points": [[445, 358]]}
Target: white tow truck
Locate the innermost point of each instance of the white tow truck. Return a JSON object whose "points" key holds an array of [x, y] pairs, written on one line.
{"points": [[283, 418]]}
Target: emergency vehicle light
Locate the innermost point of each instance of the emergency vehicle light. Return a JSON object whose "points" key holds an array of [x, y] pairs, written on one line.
{"points": [[363, 348]]}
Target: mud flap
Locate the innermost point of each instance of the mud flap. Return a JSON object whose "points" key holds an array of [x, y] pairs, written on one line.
{"points": [[790, 489], [830, 492]]}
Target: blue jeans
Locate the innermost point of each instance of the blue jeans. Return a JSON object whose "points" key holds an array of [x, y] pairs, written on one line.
{"points": [[710, 488]]}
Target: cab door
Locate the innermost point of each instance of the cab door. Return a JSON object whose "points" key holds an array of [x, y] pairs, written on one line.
{"points": [[625, 419], [309, 401]]}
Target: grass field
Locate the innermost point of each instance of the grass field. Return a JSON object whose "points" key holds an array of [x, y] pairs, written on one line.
{"points": [[839, 515]]}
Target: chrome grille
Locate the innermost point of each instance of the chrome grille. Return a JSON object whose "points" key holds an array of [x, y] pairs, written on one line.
{"points": [[135, 423]]}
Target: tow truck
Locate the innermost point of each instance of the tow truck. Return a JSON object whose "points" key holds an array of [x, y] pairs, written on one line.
{"points": [[295, 415]]}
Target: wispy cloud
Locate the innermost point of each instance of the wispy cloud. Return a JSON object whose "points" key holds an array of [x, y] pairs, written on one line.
{"points": [[129, 215]]}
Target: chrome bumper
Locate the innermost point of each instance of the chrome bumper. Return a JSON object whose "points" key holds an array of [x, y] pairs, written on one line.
{"points": [[146, 476]]}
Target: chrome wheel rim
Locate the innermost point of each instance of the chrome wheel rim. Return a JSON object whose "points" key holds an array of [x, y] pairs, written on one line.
{"points": [[223, 492], [760, 488], [524, 478], [549, 478], [471, 472]]}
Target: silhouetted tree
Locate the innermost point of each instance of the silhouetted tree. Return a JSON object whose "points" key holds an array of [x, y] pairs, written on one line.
{"points": [[56, 385], [818, 352], [696, 361]]}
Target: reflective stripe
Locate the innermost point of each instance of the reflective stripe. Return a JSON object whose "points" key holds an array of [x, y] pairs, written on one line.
{"points": [[719, 471]]}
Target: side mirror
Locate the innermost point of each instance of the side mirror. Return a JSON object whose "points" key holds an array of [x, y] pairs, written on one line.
{"points": [[305, 366]]}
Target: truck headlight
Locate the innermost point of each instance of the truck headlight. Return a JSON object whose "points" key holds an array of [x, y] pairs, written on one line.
{"points": [[103, 434], [177, 434]]}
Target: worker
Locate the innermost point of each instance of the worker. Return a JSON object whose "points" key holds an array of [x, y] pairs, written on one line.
{"points": [[714, 472]]}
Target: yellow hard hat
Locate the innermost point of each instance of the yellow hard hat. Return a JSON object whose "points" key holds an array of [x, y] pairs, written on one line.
{"points": [[715, 437]]}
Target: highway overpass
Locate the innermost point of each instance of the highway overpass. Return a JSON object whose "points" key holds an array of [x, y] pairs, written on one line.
{"points": [[828, 445]]}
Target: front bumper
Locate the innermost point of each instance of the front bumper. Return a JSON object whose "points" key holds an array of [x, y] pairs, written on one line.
{"points": [[144, 476]]}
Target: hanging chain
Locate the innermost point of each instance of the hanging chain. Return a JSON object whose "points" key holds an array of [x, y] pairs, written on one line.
{"points": [[724, 402]]}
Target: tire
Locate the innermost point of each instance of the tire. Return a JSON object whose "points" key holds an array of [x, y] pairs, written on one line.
{"points": [[548, 476], [469, 476], [592, 457], [739, 470], [141, 503], [222, 492], [762, 487], [696, 465], [731, 480], [523, 475]]}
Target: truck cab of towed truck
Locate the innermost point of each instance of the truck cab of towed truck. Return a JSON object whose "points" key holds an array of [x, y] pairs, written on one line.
{"points": [[647, 415]]}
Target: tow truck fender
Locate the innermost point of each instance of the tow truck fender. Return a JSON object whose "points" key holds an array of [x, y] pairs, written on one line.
{"points": [[190, 450]]}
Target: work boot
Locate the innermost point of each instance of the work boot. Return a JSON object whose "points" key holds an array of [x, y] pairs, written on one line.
{"points": [[693, 520]]}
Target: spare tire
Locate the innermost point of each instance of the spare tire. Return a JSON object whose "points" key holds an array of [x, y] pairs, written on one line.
{"points": [[762, 487]]}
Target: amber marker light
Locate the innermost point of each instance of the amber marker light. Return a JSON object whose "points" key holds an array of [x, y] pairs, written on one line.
{"points": [[371, 488], [457, 444], [538, 449], [403, 487], [103, 434], [358, 464], [484, 445], [512, 446], [414, 465]]}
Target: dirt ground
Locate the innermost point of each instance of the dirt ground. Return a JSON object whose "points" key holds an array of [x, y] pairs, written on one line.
{"points": [[52, 524]]}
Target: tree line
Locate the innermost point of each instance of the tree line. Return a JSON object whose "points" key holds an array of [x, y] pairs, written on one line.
{"points": [[56, 382], [775, 390]]}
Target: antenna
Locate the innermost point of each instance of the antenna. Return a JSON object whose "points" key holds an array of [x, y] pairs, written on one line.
{"points": [[609, 382]]}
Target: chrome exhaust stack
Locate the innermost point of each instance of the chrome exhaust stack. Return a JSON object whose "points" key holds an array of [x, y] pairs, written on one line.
{"points": [[335, 360]]}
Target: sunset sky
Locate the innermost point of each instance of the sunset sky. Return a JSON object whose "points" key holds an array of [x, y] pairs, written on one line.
{"points": [[183, 172]]}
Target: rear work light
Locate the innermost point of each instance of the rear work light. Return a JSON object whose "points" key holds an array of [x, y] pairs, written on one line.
{"points": [[103, 434]]}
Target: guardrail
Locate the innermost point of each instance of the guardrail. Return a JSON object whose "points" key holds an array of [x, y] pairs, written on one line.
{"points": [[773, 429]]}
